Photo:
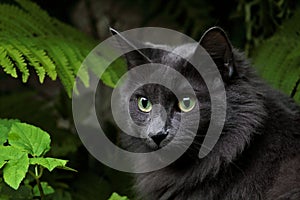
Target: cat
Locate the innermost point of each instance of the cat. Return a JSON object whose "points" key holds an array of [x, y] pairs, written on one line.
{"points": [[257, 155]]}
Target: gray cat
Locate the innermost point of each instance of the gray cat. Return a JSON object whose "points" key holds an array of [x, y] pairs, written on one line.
{"points": [[257, 155]]}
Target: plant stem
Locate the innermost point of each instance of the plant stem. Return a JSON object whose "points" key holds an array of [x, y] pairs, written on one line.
{"points": [[37, 177], [36, 171], [40, 189]]}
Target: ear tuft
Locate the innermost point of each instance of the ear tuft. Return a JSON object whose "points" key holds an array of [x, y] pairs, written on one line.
{"points": [[113, 31], [135, 56], [217, 44]]}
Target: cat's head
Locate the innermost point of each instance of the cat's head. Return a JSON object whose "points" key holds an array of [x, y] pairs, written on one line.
{"points": [[243, 104]]}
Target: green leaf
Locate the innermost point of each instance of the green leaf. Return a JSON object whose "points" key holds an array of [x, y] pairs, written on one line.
{"points": [[3, 134], [15, 163], [15, 170], [8, 122], [49, 163], [5, 126], [278, 58], [2, 163], [47, 189], [10, 153], [115, 196], [31, 139]]}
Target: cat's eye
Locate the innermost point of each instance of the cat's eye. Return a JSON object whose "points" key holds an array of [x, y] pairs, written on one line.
{"points": [[144, 104], [187, 104]]}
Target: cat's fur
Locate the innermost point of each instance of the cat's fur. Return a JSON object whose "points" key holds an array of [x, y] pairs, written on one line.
{"points": [[257, 155]]}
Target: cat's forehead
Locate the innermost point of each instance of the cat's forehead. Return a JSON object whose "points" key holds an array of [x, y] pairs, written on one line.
{"points": [[174, 57], [186, 50], [154, 90], [173, 54]]}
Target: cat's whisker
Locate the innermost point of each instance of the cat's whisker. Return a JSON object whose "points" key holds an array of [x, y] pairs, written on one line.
{"points": [[236, 166]]}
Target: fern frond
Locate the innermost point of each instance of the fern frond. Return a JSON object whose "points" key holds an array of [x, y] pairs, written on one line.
{"points": [[20, 19], [6, 63], [16, 55], [41, 55], [278, 59], [39, 15], [33, 61], [75, 57], [29, 37], [64, 71]]}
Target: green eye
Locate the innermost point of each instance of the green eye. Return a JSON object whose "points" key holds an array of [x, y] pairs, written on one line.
{"points": [[186, 104], [144, 104]]}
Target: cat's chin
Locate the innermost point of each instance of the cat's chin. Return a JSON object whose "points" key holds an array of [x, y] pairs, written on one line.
{"points": [[153, 146]]}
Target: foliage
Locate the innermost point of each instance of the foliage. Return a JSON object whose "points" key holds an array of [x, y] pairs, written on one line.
{"points": [[29, 106], [115, 196], [47, 189], [30, 38], [260, 25], [55, 116], [278, 58], [24, 145]]}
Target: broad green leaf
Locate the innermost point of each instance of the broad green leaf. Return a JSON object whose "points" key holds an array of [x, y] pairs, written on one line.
{"points": [[2, 163], [115, 196], [29, 138], [47, 189], [10, 153], [49, 163], [15, 170], [3, 134], [8, 122], [5, 126]]}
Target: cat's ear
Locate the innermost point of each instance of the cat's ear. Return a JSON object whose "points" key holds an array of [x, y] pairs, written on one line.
{"points": [[135, 57], [217, 44]]}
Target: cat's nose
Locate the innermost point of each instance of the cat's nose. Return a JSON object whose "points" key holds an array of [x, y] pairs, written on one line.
{"points": [[159, 137]]}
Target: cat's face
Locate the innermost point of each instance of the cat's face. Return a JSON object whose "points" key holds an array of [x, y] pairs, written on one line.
{"points": [[161, 124], [244, 110], [160, 112]]}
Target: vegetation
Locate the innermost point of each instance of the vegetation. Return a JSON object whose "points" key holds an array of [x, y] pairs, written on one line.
{"points": [[23, 149], [278, 58], [36, 50], [30, 38]]}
